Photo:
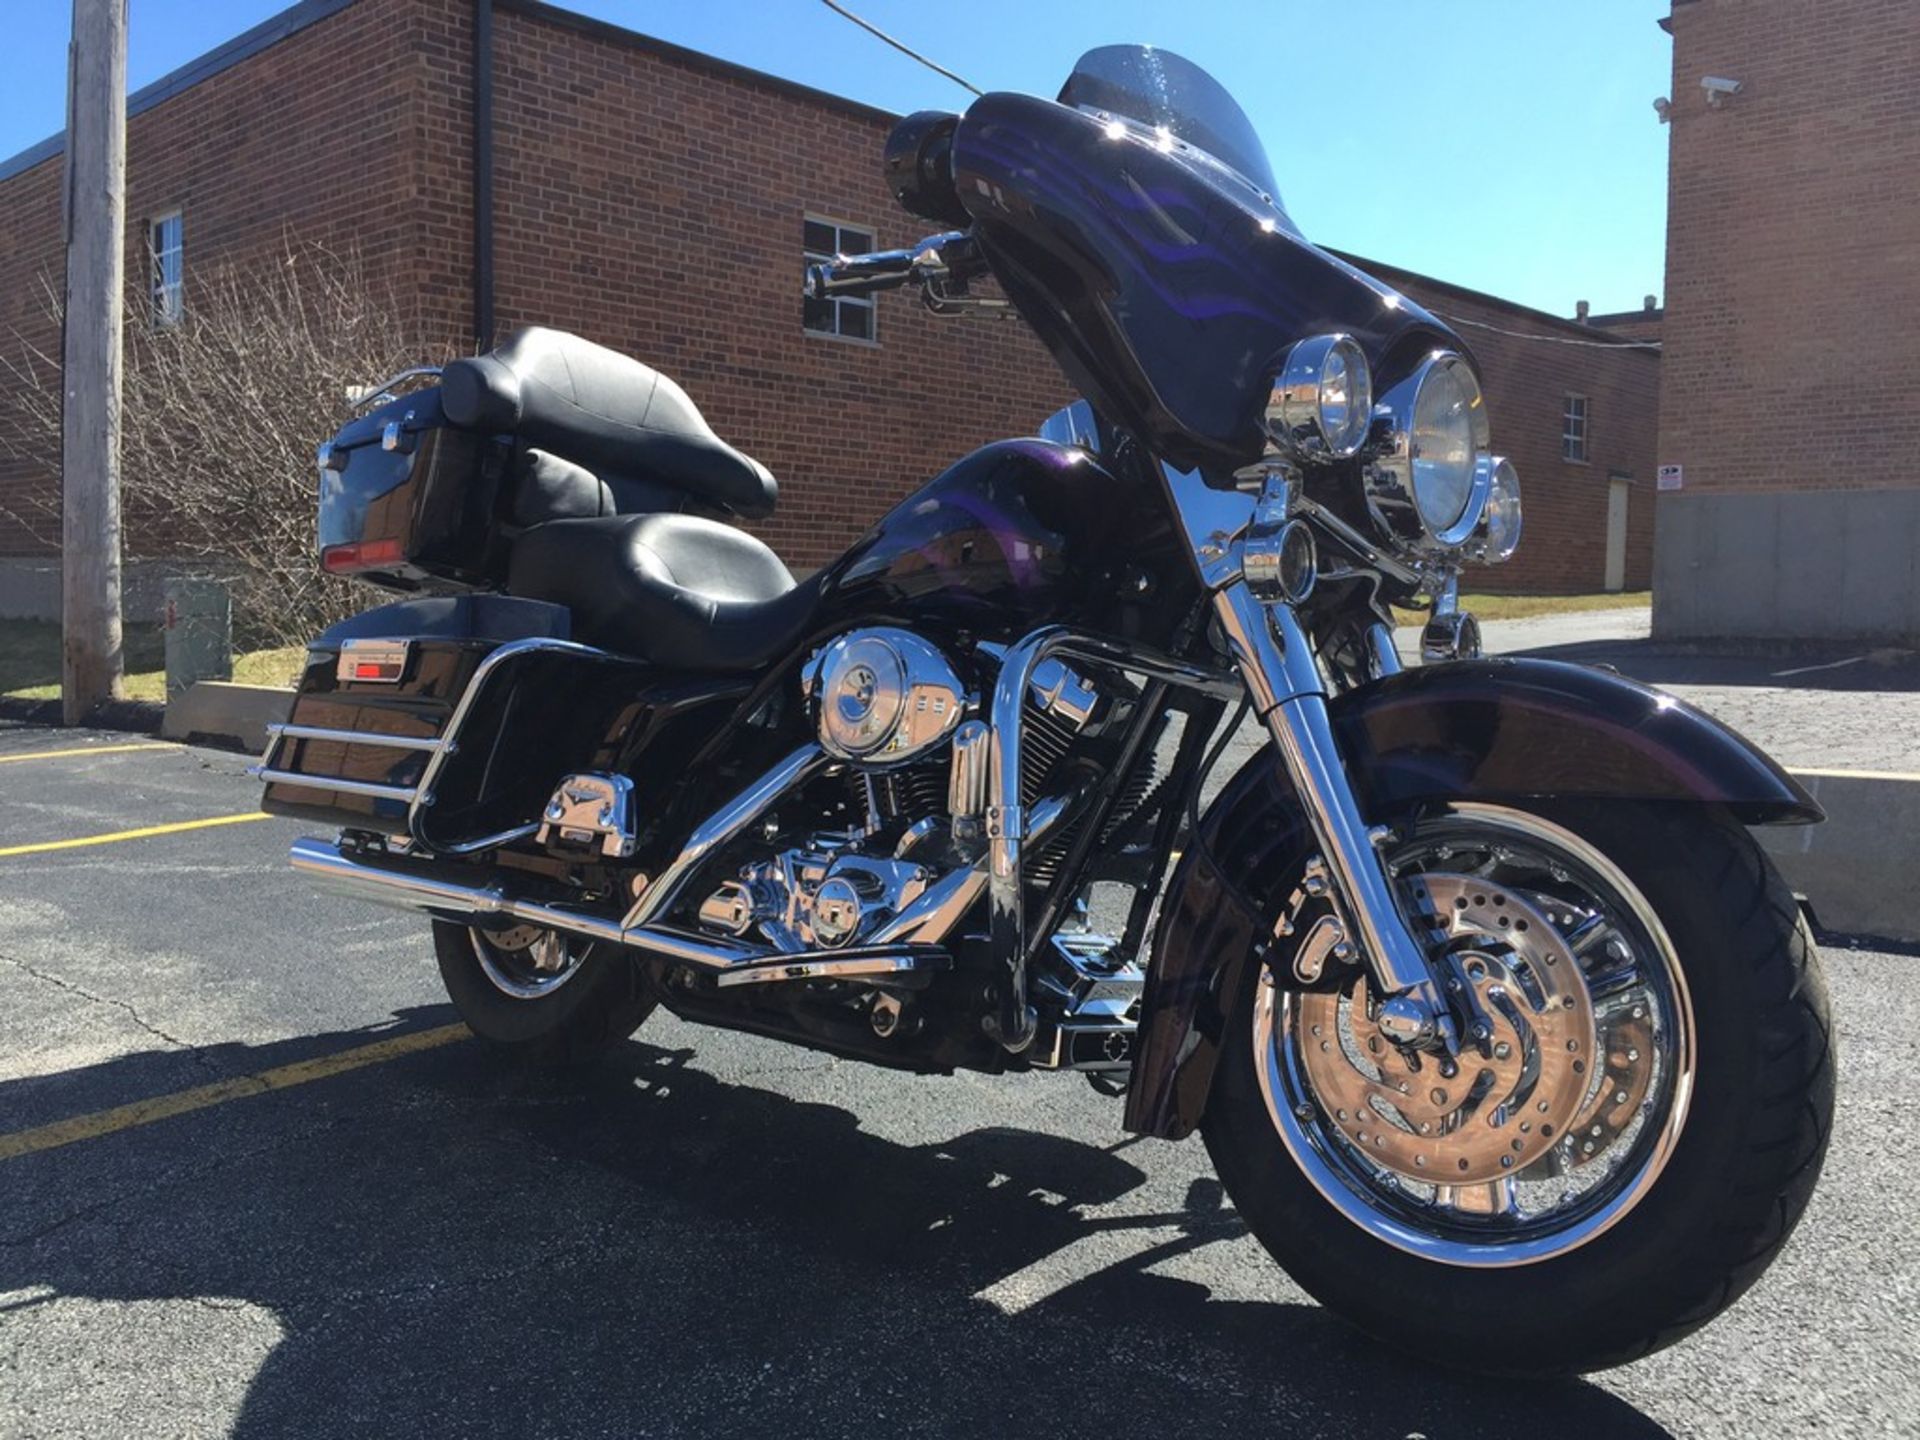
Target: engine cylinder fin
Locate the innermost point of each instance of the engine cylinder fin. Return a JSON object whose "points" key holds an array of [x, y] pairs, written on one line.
{"points": [[1045, 740]]}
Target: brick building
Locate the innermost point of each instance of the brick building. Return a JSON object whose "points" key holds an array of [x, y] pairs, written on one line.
{"points": [[1791, 358], [660, 201]]}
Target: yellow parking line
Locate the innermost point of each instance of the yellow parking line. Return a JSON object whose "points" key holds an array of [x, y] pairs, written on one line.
{"points": [[141, 834], [82, 750], [165, 1107]]}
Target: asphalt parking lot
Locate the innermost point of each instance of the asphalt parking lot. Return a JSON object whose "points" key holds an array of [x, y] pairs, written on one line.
{"points": [[254, 1180]]}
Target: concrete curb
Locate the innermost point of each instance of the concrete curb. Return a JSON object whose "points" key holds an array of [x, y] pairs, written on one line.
{"points": [[1860, 870], [219, 711]]}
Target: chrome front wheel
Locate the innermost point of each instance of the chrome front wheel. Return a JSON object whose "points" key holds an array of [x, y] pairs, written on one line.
{"points": [[1572, 1083], [1627, 1133]]}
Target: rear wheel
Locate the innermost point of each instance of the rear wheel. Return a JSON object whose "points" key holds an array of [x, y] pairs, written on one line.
{"points": [[1633, 1124], [538, 996]]}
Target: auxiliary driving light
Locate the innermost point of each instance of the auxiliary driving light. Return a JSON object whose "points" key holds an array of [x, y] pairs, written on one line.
{"points": [[1321, 404]]}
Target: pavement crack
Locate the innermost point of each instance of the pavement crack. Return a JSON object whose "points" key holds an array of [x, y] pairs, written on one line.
{"points": [[194, 1052]]}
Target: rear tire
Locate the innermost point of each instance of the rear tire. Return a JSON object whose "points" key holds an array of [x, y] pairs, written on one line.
{"points": [[601, 1002], [1739, 1175]]}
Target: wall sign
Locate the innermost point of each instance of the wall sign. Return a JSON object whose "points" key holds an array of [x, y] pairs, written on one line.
{"points": [[1669, 478]]}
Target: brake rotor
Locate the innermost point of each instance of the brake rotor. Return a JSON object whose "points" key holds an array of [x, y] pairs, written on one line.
{"points": [[1527, 1059]]}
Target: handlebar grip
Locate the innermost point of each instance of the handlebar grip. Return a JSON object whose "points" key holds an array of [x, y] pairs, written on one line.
{"points": [[952, 256], [860, 274]]}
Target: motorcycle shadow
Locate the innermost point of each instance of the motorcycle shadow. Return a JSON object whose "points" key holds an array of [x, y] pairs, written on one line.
{"points": [[646, 1249]]}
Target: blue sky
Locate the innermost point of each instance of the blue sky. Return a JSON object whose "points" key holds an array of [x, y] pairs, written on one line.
{"points": [[1506, 145]]}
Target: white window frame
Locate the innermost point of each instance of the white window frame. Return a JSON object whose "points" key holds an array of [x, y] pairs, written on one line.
{"points": [[166, 298], [1576, 425], [841, 303]]}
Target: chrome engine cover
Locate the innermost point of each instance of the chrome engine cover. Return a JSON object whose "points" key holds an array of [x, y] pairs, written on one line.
{"points": [[883, 697], [814, 899]]}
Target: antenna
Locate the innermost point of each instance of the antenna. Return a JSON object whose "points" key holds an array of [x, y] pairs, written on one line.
{"points": [[906, 50]]}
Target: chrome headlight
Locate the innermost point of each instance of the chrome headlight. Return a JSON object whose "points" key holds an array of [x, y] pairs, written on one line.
{"points": [[1321, 404], [1499, 533], [1428, 484]]}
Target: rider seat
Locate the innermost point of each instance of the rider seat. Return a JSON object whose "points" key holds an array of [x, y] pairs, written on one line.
{"points": [[681, 590]]}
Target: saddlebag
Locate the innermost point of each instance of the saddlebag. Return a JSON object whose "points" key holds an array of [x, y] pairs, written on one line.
{"points": [[445, 721]]}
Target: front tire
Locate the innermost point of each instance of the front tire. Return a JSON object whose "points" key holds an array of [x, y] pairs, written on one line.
{"points": [[1718, 1154], [537, 998]]}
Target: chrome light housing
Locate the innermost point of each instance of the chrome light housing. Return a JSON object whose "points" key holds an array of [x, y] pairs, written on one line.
{"points": [[1499, 533], [1321, 403], [1427, 483]]}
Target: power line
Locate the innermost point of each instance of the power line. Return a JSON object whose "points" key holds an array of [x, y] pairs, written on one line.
{"points": [[1551, 339], [906, 50]]}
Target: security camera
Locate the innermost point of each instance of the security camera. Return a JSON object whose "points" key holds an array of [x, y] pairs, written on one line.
{"points": [[1718, 87], [1663, 107]]}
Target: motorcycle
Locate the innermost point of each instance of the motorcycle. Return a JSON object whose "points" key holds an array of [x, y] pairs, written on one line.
{"points": [[1480, 993]]}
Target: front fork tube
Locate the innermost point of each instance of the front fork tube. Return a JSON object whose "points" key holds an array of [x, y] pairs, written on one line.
{"points": [[1275, 658]]}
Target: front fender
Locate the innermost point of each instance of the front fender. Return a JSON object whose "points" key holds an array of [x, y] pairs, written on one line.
{"points": [[1504, 730]]}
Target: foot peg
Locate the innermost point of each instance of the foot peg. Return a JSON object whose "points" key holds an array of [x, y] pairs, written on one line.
{"points": [[590, 813]]}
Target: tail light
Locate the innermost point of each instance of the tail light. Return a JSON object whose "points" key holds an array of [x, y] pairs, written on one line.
{"points": [[361, 555]]}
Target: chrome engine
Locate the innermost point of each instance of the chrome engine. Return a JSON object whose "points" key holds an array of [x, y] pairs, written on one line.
{"points": [[892, 707], [815, 899]]}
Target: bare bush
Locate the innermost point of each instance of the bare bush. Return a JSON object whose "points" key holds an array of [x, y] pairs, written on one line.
{"points": [[220, 417]]}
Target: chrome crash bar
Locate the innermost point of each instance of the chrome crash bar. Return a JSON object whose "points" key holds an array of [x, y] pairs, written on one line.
{"points": [[1008, 828]]}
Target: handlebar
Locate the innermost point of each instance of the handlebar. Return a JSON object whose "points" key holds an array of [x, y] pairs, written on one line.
{"points": [[939, 259]]}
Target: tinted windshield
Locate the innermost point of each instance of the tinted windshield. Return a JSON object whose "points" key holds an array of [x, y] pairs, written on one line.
{"points": [[1159, 89]]}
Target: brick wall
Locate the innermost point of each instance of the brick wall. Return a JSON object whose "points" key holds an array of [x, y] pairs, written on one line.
{"points": [[1563, 547], [316, 138], [1793, 247], [653, 200], [655, 203]]}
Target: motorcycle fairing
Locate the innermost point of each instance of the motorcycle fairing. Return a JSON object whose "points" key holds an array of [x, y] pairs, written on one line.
{"points": [[1484, 730], [1164, 287]]}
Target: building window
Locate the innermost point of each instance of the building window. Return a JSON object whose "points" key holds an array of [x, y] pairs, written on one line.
{"points": [[166, 269], [849, 316], [1573, 430]]}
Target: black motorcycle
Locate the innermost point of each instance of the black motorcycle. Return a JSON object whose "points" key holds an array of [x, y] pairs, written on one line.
{"points": [[1472, 978]]}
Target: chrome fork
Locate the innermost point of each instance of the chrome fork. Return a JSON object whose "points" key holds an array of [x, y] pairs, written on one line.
{"points": [[1275, 659]]}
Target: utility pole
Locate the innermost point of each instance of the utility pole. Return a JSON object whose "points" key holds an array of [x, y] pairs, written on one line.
{"points": [[90, 399]]}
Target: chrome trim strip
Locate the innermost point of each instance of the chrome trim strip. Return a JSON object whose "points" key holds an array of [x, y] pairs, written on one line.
{"points": [[331, 782], [279, 731], [721, 826], [373, 394], [839, 967]]}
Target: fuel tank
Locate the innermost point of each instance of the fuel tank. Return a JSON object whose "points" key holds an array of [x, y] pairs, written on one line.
{"points": [[1019, 534]]}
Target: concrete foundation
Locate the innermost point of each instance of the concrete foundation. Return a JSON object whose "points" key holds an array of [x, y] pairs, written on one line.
{"points": [[1788, 565]]}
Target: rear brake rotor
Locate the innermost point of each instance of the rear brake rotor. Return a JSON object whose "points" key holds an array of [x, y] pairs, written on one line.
{"points": [[1521, 1081]]}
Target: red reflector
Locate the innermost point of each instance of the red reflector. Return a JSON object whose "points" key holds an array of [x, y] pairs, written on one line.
{"points": [[365, 671], [361, 555]]}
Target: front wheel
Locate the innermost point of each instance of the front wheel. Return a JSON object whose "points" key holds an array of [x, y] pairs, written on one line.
{"points": [[1629, 1132]]}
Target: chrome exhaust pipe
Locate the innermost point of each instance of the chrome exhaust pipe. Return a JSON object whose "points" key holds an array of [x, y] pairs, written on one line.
{"points": [[909, 941], [483, 905]]}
